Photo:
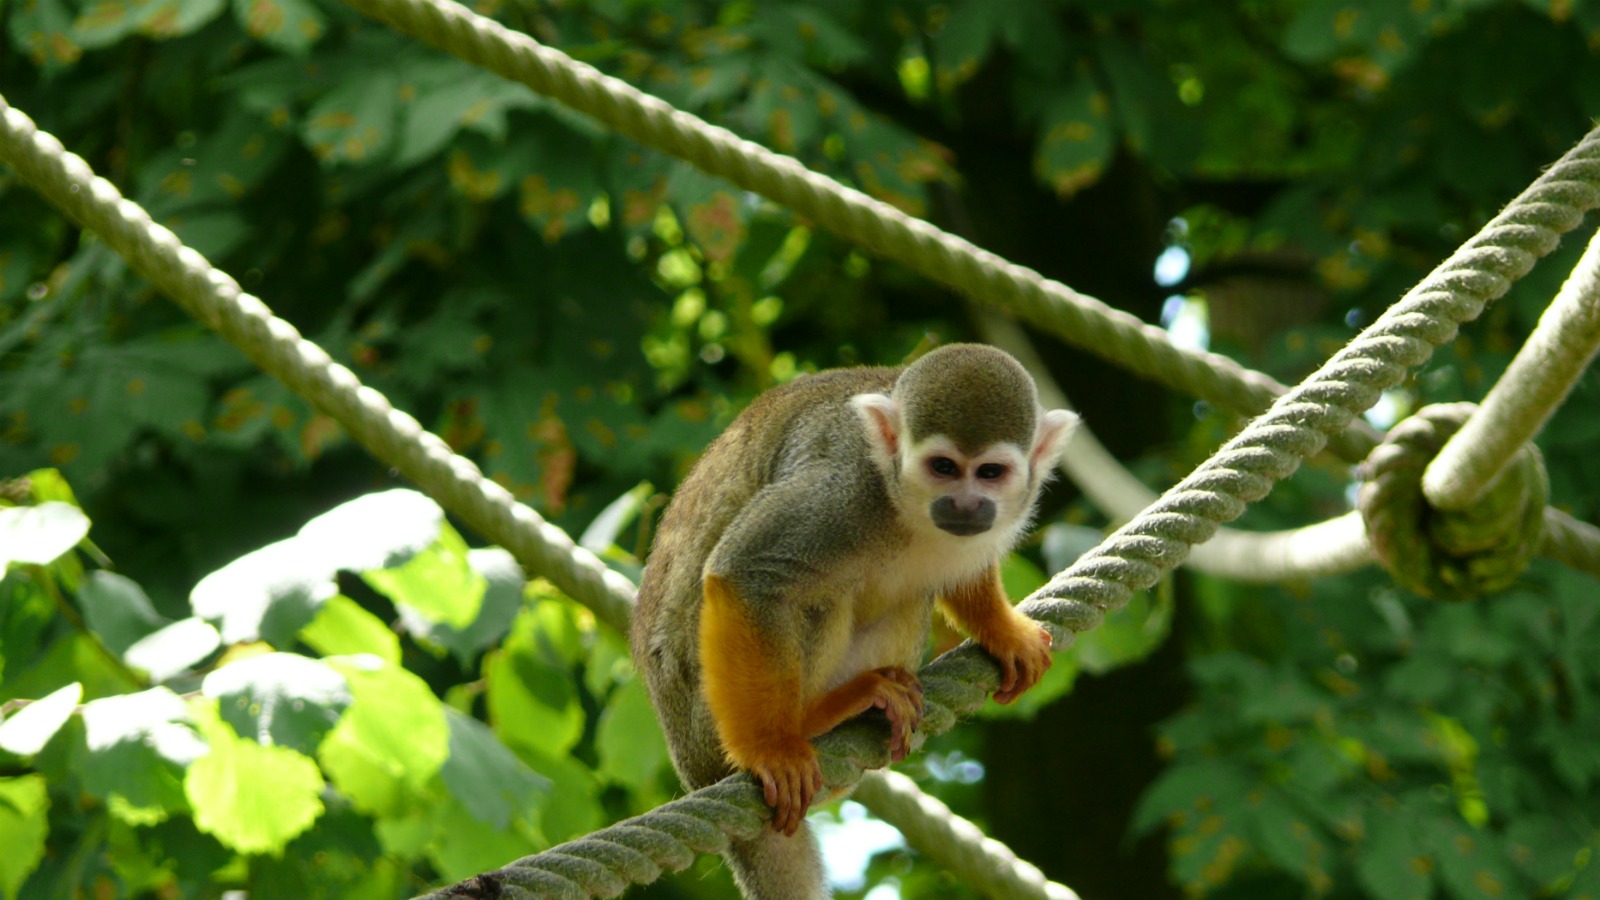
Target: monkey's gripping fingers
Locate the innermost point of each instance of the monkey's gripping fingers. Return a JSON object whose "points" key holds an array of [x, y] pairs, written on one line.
{"points": [[790, 778], [1024, 657], [899, 695]]}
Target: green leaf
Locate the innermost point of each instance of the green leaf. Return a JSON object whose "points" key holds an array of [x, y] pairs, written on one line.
{"points": [[464, 845], [250, 797], [91, 405], [24, 823], [487, 779], [392, 739], [174, 649], [439, 582], [268, 594], [573, 808], [1076, 137], [1394, 864], [628, 739], [555, 193], [355, 122], [139, 746], [443, 95], [43, 29], [75, 657], [117, 610], [288, 25], [384, 530], [106, 22], [529, 686], [343, 628], [279, 699], [39, 535], [31, 727], [502, 598], [223, 168]]}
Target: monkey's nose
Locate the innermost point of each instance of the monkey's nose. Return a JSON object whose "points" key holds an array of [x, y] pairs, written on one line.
{"points": [[962, 519]]}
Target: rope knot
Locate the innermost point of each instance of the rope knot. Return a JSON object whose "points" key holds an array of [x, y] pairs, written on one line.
{"points": [[1450, 555]]}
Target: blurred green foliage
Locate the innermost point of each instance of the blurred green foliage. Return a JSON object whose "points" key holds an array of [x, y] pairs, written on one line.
{"points": [[580, 315]]}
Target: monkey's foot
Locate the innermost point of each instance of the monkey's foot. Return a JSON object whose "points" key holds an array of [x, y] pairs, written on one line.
{"points": [[899, 694], [790, 777], [1023, 653]]}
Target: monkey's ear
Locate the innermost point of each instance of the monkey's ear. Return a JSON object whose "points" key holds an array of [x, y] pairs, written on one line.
{"points": [[880, 417], [1055, 427]]}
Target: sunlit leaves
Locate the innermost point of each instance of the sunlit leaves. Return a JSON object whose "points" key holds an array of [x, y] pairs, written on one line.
{"points": [[139, 747], [26, 731], [252, 797], [279, 699], [390, 741], [39, 534], [270, 593]]}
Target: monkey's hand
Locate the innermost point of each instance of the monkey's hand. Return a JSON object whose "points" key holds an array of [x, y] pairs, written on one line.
{"points": [[790, 777], [1023, 652], [892, 689]]}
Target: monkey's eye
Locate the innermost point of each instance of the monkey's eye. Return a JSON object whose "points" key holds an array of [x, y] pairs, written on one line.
{"points": [[945, 466], [991, 471]]}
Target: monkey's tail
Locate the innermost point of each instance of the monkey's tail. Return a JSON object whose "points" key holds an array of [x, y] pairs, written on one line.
{"points": [[774, 867]]}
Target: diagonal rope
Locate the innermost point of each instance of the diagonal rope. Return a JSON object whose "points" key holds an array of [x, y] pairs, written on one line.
{"points": [[1539, 378], [1083, 320], [980, 862], [676, 832], [1299, 423]]}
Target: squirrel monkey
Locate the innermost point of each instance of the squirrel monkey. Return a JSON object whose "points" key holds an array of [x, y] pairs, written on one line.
{"points": [[794, 574]]}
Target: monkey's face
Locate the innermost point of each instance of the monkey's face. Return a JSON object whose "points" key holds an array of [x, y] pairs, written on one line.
{"points": [[966, 494]]}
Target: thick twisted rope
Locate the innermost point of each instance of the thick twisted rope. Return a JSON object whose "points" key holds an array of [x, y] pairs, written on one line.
{"points": [[1332, 547], [1299, 423], [982, 863], [1539, 378], [278, 349], [875, 225], [678, 831], [1449, 554]]}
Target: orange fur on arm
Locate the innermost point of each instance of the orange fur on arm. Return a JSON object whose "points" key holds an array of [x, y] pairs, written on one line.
{"points": [[754, 694], [980, 608]]}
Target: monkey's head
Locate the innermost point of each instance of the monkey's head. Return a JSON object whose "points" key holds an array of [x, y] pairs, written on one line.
{"points": [[962, 442]]}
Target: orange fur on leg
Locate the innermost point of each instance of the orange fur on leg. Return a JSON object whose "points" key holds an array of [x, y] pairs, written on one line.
{"points": [[754, 695], [1018, 644]]}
